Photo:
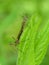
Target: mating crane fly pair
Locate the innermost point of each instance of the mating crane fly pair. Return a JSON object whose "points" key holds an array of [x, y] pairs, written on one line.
{"points": [[25, 18]]}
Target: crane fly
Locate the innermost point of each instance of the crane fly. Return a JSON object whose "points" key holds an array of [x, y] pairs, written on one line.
{"points": [[25, 18]]}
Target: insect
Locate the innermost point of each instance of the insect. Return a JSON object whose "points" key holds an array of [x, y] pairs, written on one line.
{"points": [[25, 18]]}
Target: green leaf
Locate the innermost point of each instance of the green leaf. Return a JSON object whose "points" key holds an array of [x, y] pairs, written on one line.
{"points": [[33, 42]]}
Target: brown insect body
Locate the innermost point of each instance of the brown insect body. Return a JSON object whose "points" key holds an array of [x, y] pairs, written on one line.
{"points": [[25, 18]]}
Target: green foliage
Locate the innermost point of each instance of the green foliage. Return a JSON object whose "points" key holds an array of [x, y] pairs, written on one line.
{"points": [[34, 40]]}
